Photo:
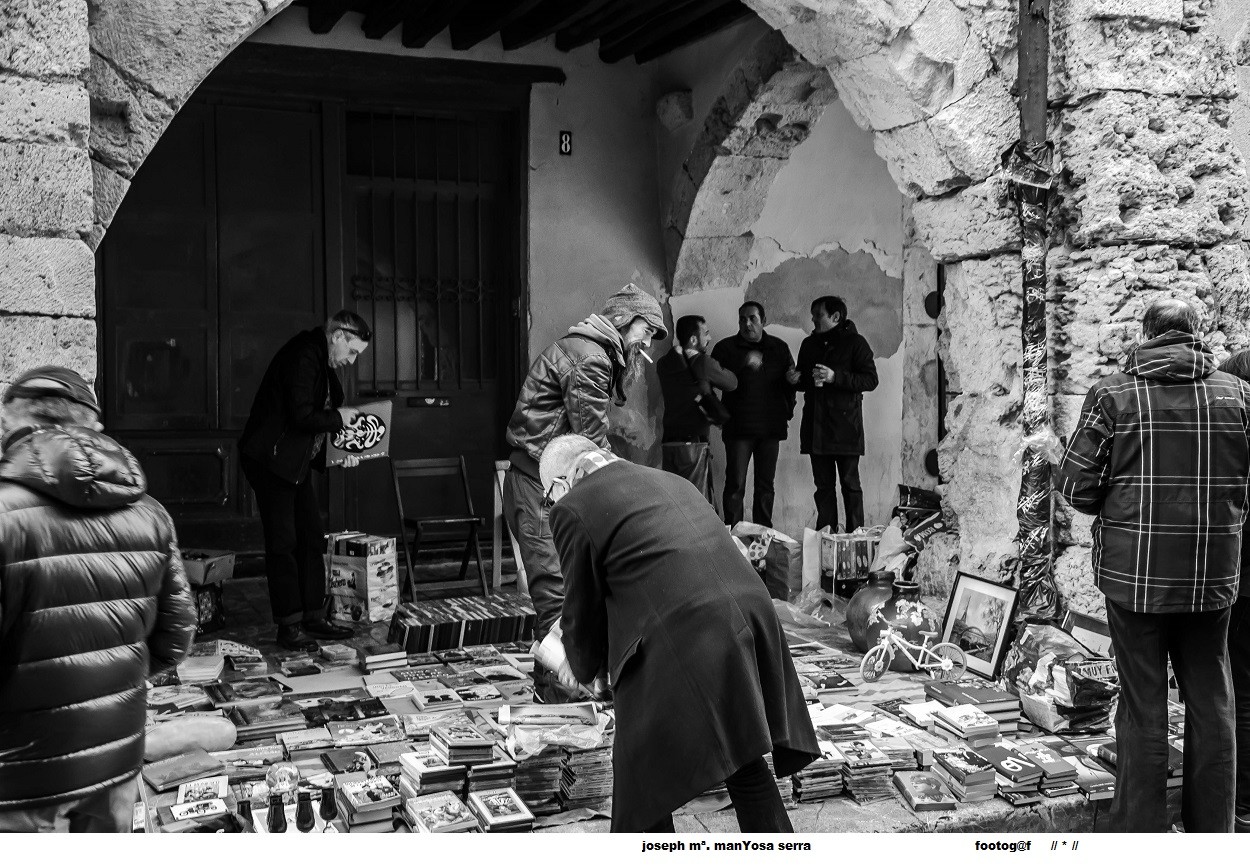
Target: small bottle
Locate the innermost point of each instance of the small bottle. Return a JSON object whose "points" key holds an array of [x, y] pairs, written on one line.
{"points": [[245, 816], [277, 814], [304, 819], [329, 810]]}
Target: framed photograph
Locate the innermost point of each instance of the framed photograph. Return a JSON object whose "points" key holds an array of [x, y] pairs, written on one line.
{"points": [[1089, 630], [977, 619]]}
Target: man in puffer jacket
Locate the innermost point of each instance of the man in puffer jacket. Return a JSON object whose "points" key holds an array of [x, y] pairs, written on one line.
{"points": [[567, 390], [93, 601]]}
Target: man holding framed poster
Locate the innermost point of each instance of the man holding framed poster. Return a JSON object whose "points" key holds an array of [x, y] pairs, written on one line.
{"points": [[297, 409]]}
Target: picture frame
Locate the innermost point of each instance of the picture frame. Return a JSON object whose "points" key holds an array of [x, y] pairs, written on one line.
{"points": [[1092, 632], [978, 617]]}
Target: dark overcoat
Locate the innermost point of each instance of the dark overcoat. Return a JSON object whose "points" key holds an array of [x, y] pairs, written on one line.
{"points": [[833, 414], [657, 594]]}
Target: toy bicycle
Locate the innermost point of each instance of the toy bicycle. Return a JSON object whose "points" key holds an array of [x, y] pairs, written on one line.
{"points": [[943, 661]]}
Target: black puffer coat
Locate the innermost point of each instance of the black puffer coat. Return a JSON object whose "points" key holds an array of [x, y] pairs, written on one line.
{"points": [[833, 414], [93, 600]]}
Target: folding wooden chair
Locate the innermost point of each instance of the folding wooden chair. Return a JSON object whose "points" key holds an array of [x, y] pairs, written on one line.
{"points": [[433, 468]]}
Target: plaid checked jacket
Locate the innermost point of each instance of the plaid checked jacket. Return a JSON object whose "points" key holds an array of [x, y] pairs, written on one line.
{"points": [[1161, 455]]}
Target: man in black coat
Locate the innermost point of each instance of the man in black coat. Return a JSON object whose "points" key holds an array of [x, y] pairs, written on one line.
{"points": [[759, 411], [93, 602], [298, 405], [658, 597], [835, 369], [688, 374]]}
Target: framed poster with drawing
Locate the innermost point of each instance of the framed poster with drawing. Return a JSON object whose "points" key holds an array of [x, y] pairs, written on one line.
{"points": [[977, 620], [1089, 630], [368, 437]]}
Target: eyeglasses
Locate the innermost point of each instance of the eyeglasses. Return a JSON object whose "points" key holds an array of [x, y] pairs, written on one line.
{"points": [[548, 501]]}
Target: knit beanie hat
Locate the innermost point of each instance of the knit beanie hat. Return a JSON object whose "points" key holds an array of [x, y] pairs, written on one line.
{"points": [[60, 382], [632, 303]]}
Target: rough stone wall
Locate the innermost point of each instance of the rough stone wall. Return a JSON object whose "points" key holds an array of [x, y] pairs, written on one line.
{"points": [[1152, 199], [47, 272]]}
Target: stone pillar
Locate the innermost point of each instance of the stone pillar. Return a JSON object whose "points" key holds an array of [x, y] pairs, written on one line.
{"points": [[1152, 199], [47, 271]]}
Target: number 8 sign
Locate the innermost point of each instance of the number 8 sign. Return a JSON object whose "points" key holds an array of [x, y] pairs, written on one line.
{"points": [[566, 142]]}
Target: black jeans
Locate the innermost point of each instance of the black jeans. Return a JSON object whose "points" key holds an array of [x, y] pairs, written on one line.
{"points": [[753, 792], [1198, 646], [294, 544], [739, 453], [1239, 663], [826, 470]]}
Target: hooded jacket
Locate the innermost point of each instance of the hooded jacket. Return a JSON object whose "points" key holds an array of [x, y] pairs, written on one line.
{"points": [[93, 600], [567, 390], [1161, 454], [1239, 366], [833, 414]]}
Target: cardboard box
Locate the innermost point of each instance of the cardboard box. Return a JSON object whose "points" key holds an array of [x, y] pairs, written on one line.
{"points": [[361, 577], [207, 567]]}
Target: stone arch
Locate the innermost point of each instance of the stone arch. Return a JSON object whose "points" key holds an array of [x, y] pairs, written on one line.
{"points": [[147, 57]]}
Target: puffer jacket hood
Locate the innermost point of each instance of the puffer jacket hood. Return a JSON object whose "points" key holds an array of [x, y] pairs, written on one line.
{"points": [[1171, 357], [74, 465]]}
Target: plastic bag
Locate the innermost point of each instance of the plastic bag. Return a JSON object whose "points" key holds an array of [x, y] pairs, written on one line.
{"points": [[776, 556], [787, 612], [1036, 648], [889, 546]]}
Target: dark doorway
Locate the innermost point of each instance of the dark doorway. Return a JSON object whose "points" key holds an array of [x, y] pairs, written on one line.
{"points": [[296, 182]]}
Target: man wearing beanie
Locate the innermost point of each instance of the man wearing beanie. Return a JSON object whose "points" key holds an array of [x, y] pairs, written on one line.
{"points": [[93, 601], [568, 390]]}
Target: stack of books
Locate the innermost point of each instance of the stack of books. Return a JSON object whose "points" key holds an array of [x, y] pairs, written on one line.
{"points": [[586, 777], [501, 811], [921, 741], [461, 744], [999, 704], [822, 778], [499, 773], [441, 624], [966, 723], [1094, 781], [924, 792], [900, 752], [538, 781], [386, 756], [201, 669], [866, 773], [375, 657], [366, 805], [254, 723], [365, 732], [1017, 776], [969, 776], [443, 812], [1058, 776], [423, 772], [784, 785], [921, 714]]}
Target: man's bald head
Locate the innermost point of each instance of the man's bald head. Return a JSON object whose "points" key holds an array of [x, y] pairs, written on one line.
{"points": [[1170, 314]]}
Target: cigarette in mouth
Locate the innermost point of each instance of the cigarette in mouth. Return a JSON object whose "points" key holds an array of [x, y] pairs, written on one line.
{"points": [[647, 357]]}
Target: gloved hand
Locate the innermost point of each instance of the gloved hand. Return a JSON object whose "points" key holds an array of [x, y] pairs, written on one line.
{"points": [[550, 654]]}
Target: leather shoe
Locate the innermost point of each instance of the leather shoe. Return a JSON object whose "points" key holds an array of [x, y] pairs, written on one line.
{"points": [[325, 629], [290, 638]]}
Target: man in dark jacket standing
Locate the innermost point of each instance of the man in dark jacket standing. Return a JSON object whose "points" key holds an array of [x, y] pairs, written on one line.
{"points": [[567, 390], [1239, 644], [93, 601], [835, 369], [658, 597], [759, 411], [298, 405], [688, 373], [1161, 455]]}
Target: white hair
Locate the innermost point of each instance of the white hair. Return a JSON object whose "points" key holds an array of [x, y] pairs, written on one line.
{"points": [[560, 455]]}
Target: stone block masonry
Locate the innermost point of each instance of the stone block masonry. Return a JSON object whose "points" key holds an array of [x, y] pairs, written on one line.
{"points": [[47, 272]]}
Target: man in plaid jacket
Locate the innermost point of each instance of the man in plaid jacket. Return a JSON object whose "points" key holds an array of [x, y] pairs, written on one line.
{"points": [[1161, 455]]}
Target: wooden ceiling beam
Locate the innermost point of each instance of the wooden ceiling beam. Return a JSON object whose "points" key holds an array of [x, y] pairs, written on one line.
{"points": [[483, 19], [550, 18], [618, 15], [714, 22], [383, 16], [324, 14], [424, 23]]}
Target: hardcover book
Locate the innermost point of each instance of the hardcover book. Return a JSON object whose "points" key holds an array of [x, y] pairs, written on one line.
{"points": [[339, 761], [924, 792], [1053, 767], [384, 729], [442, 812], [211, 788], [966, 719], [436, 699], [500, 808], [1095, 781], [965, 765], [427, 672], [1010, 763], [480, 694], [455, 681], [388, 753], [501, 673], [862, 754], [374, 794]]}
